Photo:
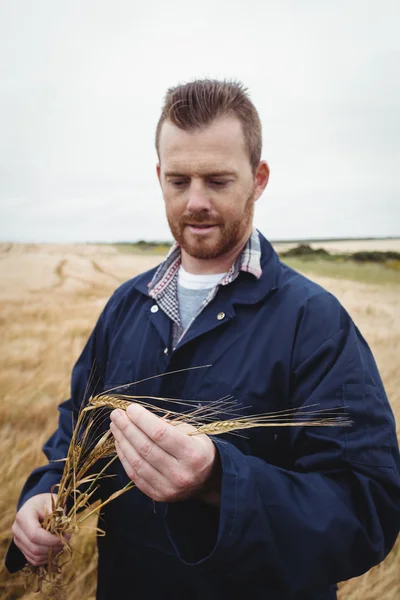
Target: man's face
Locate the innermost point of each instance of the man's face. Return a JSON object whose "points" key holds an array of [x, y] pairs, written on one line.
{"points": [[208, 187]]}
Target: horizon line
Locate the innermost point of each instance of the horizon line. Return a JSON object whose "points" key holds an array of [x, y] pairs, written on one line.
{"points": [[170, 242]]}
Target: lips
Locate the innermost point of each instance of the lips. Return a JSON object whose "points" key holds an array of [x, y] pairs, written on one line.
{"points": [[200, 228]]}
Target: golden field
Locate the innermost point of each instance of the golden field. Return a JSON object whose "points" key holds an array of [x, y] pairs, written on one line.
{"points": [[50, 298]]}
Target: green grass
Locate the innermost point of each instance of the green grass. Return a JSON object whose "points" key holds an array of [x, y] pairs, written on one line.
{"points": [[329, 266], [373, 273]]}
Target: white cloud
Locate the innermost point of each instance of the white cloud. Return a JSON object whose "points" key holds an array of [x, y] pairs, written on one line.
{"points": [[82, 85]]}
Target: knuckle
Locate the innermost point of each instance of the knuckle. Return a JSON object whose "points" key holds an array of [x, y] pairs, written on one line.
{"points": [[196, 461], [124, 427], [36, 553], [182, 480], [171, 496], [160, 433], [34, 538], [136, 465], [133, 467], [190, 454], [146, 448]]}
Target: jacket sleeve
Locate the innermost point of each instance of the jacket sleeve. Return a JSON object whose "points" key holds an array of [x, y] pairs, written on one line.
{"points": [[336, 512], [87, 378]]}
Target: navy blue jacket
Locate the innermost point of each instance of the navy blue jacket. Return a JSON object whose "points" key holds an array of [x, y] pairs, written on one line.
{"points": [[301, 507]]}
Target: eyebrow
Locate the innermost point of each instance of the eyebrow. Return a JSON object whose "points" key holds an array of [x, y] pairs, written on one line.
{"points": [[215, 173]]}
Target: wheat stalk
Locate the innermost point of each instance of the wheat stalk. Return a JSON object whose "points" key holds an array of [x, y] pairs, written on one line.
{"points": [[78, 486], [287, 417], [109, 402]]}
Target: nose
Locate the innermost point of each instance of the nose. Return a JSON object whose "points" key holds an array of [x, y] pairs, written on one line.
{"points": [[198, 199]]}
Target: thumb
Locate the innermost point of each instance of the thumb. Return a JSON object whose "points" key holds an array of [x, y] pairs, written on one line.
{"points": [[45, 506], [185, 427]]}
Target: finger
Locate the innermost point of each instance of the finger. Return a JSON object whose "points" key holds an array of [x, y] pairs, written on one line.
{"points": [[165, 435], [36, 556], [34, 560], [161, 460], [186, 428], [31, 556], [153, 489], [141, 472], [34, 531], [137, 466], [31, 547]]}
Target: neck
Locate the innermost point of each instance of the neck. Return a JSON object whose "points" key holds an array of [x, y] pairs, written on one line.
{"points": [[211, 266]]}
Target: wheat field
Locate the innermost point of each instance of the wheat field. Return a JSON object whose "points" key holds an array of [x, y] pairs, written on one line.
{"points": [[50, 298]]}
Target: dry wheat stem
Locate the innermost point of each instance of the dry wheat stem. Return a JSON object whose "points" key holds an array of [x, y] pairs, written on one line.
{"points": [[84, 452], [207, 412], [288, 417], [128, 385], [220, 427]]}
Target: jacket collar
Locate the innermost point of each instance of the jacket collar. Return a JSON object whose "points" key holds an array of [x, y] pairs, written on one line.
{"points": [[246, 289], [247, 261]]}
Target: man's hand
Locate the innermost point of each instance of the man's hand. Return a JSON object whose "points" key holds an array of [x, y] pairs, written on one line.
{"points": [[163, 461], [29, 535]]}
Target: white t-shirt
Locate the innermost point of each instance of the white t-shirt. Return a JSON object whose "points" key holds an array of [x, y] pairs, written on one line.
{"points": [[192, 291]]}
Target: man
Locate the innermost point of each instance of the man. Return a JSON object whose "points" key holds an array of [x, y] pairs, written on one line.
{"points": [[281, 512]]}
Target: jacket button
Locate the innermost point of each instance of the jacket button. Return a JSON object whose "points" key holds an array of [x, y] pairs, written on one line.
{"points": [[154, 308], [220, 316], [165, 350]]}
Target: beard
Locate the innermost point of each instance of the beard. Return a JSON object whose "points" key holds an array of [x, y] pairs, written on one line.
{"points": [[227, 235]]}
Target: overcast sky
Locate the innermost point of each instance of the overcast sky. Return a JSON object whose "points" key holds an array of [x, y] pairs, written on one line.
{"points": [[82, 83]]}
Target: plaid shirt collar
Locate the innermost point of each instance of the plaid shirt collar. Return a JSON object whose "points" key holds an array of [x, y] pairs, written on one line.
{"points": [[165, 278]]}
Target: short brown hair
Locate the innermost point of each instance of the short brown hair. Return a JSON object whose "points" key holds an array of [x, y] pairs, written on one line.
{"points": [[196, 104]]}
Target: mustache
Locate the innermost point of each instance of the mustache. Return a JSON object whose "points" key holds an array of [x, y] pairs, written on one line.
{"points": [[199, 219]]}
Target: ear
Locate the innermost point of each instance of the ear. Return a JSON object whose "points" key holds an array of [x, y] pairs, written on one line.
{"points": [[158, 169], [261, 179]]}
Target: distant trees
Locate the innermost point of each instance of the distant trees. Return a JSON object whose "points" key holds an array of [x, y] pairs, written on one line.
{"points": [[307, 252]]}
